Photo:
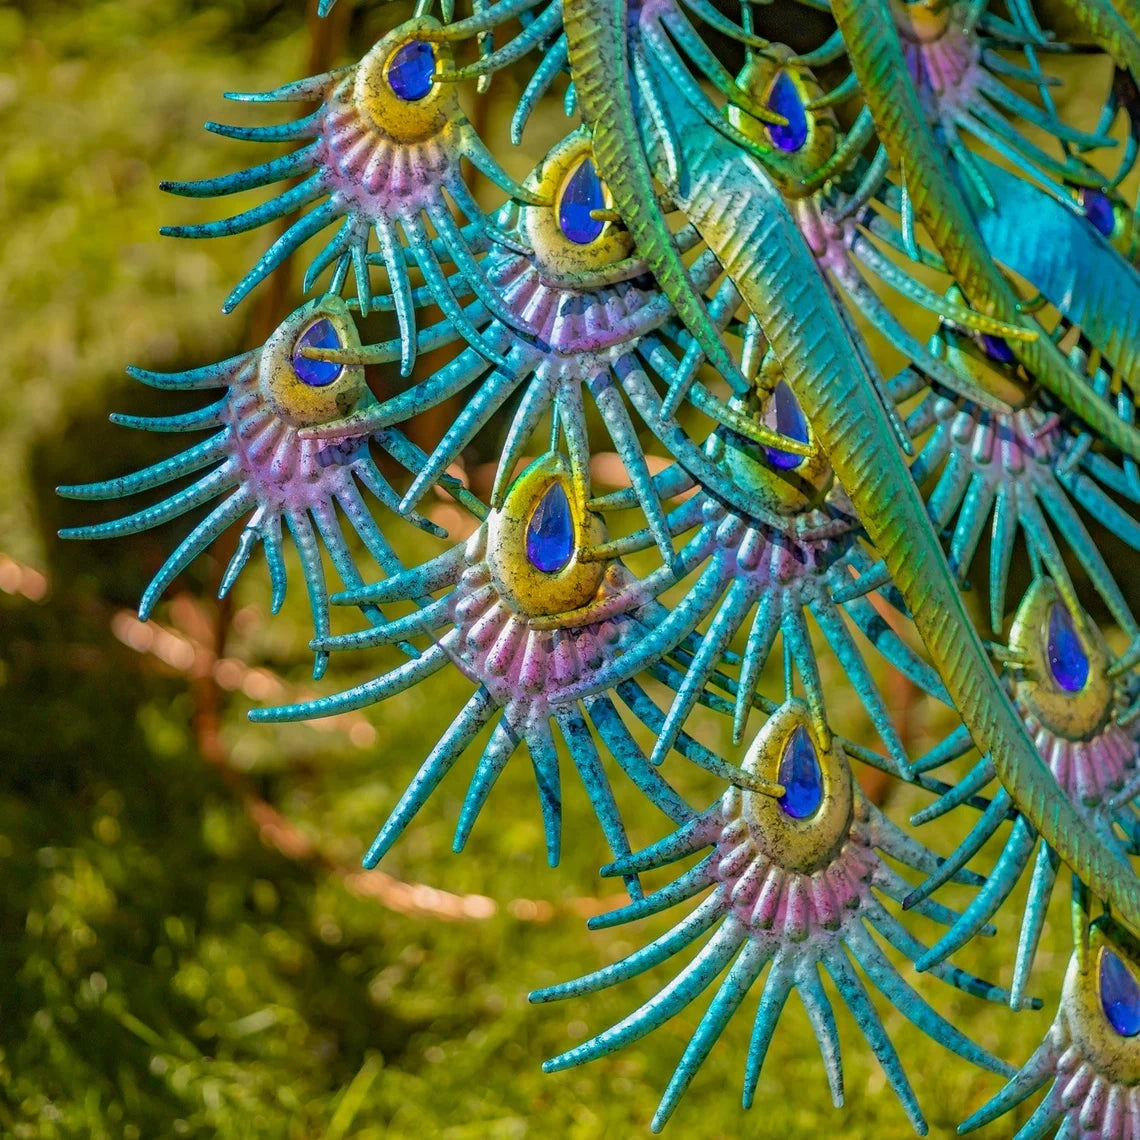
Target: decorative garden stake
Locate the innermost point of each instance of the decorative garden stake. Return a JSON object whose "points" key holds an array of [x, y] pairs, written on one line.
{"points": [[685, 281]]}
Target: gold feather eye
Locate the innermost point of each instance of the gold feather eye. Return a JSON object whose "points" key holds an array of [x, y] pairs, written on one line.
{"points": [[397, 86], [803, 829], [568, 240], [779, 481], [1110, 215], [1061, 664], [922, 21], [802, 145], [1101, 997], [306, 392], [536, 542], [987, 360]]}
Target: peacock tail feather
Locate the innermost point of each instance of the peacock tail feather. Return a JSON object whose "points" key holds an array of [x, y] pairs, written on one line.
{"points": [[703, 280]]}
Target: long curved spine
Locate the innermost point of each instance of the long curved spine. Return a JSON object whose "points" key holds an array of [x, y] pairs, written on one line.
{"points": [[1114, 28]]}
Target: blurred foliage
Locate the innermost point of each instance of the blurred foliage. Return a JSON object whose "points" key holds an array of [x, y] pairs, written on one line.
{"points": [[184, 948]]}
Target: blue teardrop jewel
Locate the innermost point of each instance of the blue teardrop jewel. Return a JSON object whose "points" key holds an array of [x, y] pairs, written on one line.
{"points": [[411, 74], [317, 373], [582, 193], [998, 349], [1067, 659], [1119, 994], [550, 533], [785, 415], [1099, 211], [784, 99], [801, 776]]}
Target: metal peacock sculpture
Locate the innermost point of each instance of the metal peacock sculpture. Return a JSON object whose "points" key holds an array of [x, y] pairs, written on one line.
{"points": [[704, 276]]}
